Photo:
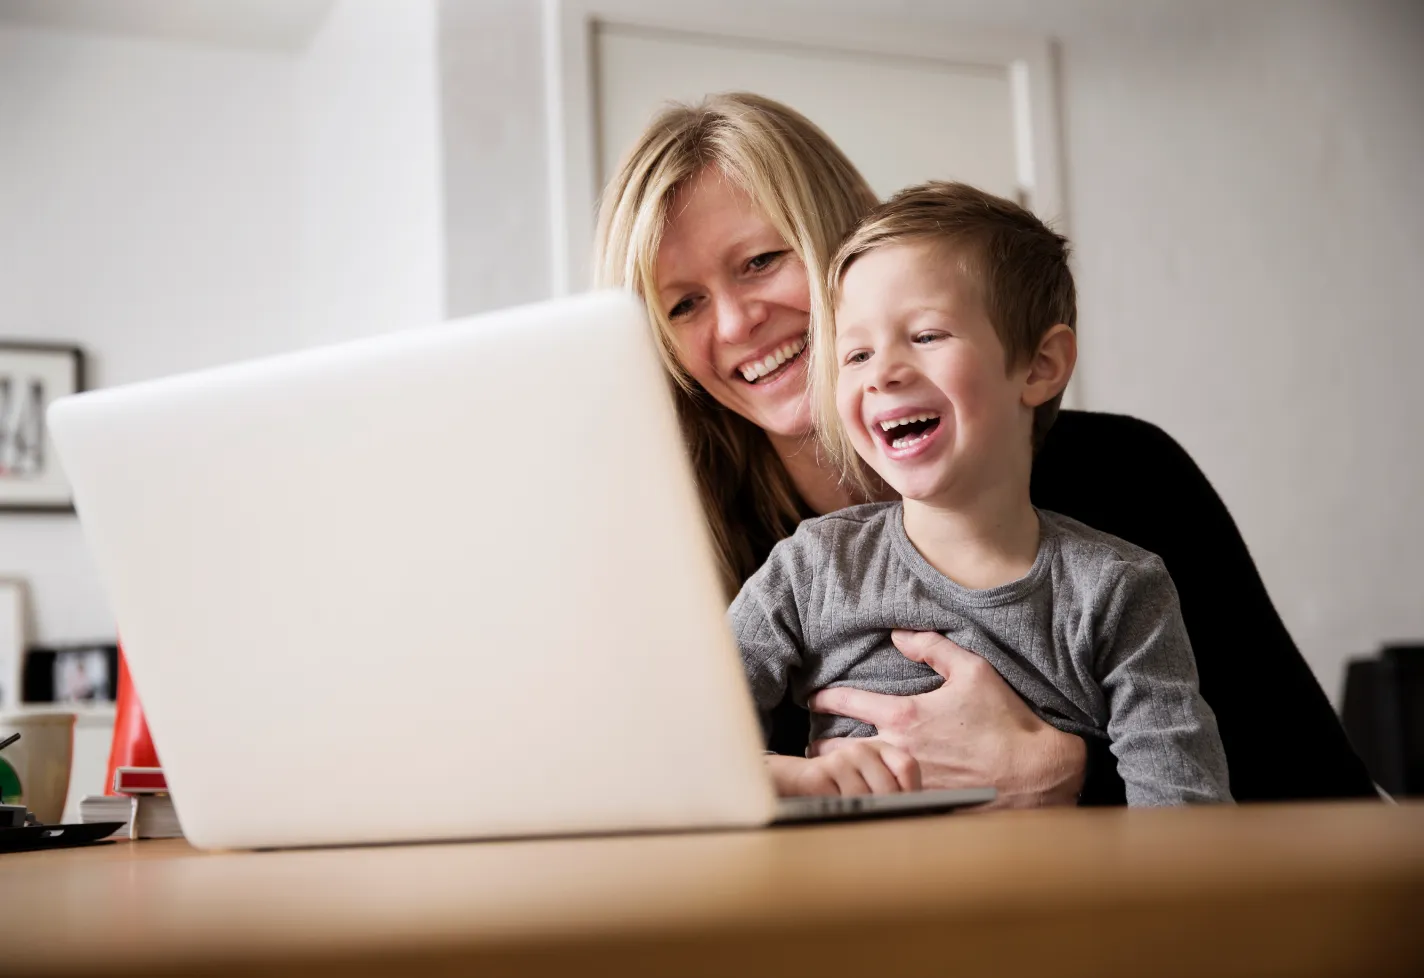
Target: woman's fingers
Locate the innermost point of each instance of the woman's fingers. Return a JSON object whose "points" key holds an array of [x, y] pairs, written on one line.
{"points": [[930, 648], [876, 709]]}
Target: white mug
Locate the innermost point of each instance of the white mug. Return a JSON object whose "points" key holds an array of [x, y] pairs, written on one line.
{"points": [[34, 770]]}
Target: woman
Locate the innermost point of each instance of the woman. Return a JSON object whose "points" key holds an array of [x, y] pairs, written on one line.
{"points": [[722, 218]]}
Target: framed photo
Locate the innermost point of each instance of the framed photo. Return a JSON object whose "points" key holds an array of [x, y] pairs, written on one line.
{"points": [[31, 376], [75, 675]]}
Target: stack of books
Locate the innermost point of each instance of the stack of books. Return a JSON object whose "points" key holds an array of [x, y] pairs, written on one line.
{"points": [[142, 803]]}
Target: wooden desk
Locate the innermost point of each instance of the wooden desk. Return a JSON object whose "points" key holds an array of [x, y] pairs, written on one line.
{"points": [[1301, 890]]}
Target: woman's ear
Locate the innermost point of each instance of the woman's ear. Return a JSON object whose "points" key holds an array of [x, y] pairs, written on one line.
{"points": [[1051, 366]]}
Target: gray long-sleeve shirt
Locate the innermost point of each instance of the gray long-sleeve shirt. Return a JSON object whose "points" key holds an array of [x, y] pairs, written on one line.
{"points": [[1092, 638]]}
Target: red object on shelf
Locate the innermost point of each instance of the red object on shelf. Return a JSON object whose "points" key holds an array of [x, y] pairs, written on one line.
{"points": [[132, 746], [140, 781]]}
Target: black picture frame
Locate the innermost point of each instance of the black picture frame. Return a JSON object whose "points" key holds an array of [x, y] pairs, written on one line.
{"points": [[31, 376]]}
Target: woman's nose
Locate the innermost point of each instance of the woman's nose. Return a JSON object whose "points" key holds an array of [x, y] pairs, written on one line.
{"points": [[738, 317]]}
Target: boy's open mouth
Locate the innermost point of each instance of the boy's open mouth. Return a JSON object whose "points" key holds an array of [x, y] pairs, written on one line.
{"points": [[904, 432], [775, 363]]}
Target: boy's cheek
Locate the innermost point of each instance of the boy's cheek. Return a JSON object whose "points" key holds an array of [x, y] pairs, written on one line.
{"points": [[847, 406], [862, 441]]}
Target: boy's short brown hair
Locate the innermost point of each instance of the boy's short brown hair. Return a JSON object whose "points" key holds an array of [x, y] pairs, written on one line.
{"points": [[1020, 264]]}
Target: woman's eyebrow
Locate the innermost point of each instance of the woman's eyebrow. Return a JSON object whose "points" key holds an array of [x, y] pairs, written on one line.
{"points": [[752, 244], [765, 240], [670, 288]]}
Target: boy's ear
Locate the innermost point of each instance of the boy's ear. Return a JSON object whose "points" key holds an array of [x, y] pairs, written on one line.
{"points": [[1051, 366]]}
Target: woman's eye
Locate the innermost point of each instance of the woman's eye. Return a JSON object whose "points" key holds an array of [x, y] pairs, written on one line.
{"points": [[681, 309], [764, 261]]}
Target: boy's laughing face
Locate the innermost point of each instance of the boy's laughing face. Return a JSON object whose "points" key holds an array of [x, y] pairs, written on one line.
{"points": [[923, 388]]}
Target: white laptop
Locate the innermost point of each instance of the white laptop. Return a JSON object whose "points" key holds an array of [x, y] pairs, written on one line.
{"points": [[446, 583]]}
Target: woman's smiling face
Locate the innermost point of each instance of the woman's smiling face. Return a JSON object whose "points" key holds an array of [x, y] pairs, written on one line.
{"points": [[738, 300]]}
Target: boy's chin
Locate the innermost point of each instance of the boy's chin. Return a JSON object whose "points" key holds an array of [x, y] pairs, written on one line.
{"points": [[904, 488], [912, 489], [916, 495]]}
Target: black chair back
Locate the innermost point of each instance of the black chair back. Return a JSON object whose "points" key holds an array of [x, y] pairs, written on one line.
{"points": [[1384, 717]]}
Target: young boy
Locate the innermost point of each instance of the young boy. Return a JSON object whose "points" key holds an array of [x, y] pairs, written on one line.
{"points": [[952, 341]]}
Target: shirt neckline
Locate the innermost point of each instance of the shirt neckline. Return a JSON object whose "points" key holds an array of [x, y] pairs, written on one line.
{"points": [[958, 593]]}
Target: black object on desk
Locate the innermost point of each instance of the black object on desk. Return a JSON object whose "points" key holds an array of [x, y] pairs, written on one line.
{"points": [[55, 836], [20, 831], [1384, 716]]}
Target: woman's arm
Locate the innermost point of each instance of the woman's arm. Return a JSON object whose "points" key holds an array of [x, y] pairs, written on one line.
{"points": [[972, 731], [1131, 479]]}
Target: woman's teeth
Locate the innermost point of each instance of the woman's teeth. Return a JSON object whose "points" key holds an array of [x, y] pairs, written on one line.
{"points": [[753, 372]]}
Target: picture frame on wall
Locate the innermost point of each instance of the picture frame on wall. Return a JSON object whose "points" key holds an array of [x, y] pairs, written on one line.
{"points": [[32, 376]]}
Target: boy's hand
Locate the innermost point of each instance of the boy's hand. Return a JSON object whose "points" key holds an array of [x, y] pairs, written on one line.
{"points": [[863, 766]]}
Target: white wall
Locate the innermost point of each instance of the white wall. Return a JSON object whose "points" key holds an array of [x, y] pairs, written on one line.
{"points": [[176, 203], [148, 214], [170, 205], [496, 199], [372, 216], [639, 70], [1244, 194], [1242, 184]]}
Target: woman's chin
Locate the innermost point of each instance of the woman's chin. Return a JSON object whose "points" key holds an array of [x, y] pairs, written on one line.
{"points": [[793, 422], [784, 417]]}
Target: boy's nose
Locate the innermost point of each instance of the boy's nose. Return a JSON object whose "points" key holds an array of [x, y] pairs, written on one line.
{"points": [[890, 373]]}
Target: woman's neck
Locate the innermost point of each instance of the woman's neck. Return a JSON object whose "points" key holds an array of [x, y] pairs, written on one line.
{"points": [[814, 476], [989, 541]]}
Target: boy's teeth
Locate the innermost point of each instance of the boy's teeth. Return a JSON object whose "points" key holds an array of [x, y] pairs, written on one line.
{"points": [[887, 425], [907, 440], [753, 372]]}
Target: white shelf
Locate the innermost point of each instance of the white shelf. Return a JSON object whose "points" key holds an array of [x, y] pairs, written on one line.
{"points": [[85, 712]]}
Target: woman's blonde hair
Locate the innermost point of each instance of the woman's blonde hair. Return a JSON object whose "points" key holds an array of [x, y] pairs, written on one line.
{"points": [[813, 196]]}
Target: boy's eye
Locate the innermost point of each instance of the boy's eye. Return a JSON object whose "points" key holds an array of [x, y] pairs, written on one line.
{"points": [[929, 336], [857, 356], [764, 261]]}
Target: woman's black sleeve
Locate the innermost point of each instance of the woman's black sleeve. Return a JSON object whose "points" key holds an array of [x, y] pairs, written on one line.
{"points": [[1131, 479]]}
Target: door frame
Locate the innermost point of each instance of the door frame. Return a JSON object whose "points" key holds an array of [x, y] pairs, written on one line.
{"points": [[570, 38]]}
